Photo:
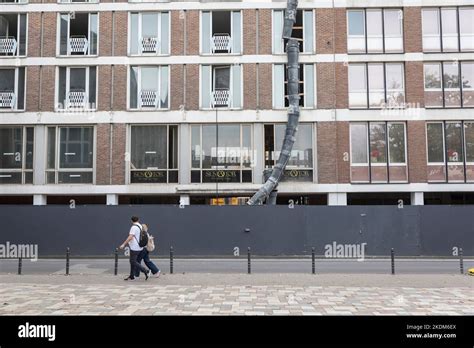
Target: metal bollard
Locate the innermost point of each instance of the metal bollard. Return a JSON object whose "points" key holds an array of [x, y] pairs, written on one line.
{"points": [[461, 261], [393, 260], [20, 261], [171, 260], [313, 264], [116, 262], [249, 261], [67, 260]]}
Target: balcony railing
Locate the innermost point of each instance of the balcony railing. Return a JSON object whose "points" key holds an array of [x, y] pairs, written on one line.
{"points": [[7, 100], [148, 99], [78, 44], [149, 45], [76, 99], [220, 97], [8, 45], [221, 42]]}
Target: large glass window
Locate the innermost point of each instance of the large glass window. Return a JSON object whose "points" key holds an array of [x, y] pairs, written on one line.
{"points": [[221, 153], [375, 31], [378, 152], [306, 86], [448, 29], [13, 29], [221, 32], [16, 155], [78, 34], [77, 88], [385, 82], [300, 165], [302, 30], [221, 86], [154, 154], [12, 89], [149, 87], [149, 33], [443, 86], [70, 155], [450, 147]]}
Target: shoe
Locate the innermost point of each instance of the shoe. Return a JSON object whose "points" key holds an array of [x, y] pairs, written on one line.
{"points": [[129, 279], [157, 274], [147, 274]]}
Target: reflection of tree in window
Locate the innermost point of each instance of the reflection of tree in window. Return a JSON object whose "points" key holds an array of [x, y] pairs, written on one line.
{"points": [[378, 148]]}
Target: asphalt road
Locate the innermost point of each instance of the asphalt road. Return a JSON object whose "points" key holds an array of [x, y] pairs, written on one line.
{"points": [[335, 266]]}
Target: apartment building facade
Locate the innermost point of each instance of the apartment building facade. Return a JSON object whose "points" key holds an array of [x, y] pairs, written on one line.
{"points": [[185, 102]]}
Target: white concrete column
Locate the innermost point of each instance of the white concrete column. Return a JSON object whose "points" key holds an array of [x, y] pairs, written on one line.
{"points": [[417, 198], [337, 198], [184, 200], [258, 155], [39, 158], [39, 200], [184, 154], [112, 199]]}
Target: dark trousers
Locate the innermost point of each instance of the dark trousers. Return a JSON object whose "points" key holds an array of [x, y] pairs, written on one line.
{"points": [[145, 256], [135, 266]]}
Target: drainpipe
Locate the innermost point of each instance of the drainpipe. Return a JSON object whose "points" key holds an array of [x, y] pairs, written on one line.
{"points": [[268, 190]]}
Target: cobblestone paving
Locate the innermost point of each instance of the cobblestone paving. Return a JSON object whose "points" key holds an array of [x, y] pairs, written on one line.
{"points": [[160, 299]]}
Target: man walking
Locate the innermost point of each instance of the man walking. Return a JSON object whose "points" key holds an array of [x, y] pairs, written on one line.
{"points": [[135, 249]]}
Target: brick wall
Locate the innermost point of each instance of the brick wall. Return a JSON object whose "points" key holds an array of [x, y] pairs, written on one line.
{"points": [[177, 88], [32, 88], [34, 34], [249, 38], [177, 32], [103, 154], [343, 148], [416, 140], [342, 86], [325, 85], [265, 86], [105, 87], [264, 31], [49, 34], [47, 88], [105, 33], [341, 30], [192, 87], [414, 83], [412, 29], [324, 31], [192, 28], [120, 33], [120, 87], [118, 154], [250, 88]]}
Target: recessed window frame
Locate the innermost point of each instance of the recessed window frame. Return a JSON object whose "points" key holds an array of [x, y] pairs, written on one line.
{"points": [[159, 85], [59, 106], [23, 170], [304, 49], [201, 32], [16, 89], [140, 28], [384, 37], [211, 77], [17, 38], [303, 70], [58, 33]]}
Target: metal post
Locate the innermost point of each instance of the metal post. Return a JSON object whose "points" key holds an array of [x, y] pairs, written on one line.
{"points": [[313, 264], [171, 260], [249, 261], [19, 265], [393, 261], [116, 262], [461, 261], [67, 260]]}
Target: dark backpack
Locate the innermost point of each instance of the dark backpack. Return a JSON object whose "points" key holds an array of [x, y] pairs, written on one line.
{"points": [[143, 238]]}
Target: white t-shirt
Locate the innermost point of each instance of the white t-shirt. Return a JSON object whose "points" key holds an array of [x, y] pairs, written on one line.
{"points": [[135, 231]]}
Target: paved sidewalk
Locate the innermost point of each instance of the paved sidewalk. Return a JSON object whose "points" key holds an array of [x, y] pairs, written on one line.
{"points": [[226, 294]]}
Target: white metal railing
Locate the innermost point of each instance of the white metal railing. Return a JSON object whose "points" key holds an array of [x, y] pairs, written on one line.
{"points": [[221, 42], [149, 45], [76, 99], [220, 97], [8, 45], [78, 44], [7, 99], [148, 98]]}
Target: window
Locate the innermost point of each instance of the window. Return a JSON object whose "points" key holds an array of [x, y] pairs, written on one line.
{"points": [[375, 31], [149, 87], [78, 34], [154, 154], [300, 166], [303, 31], [221, 32], [306, 86], [376, 85], [448, 29], [70, 155], [443, 87], [221, 153], [16, 155], [450, 149], [74, 1], [14, 1], [12, 34], [149, 33], [221, 86], [77, 88], [378, 152], [12, 89]]}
